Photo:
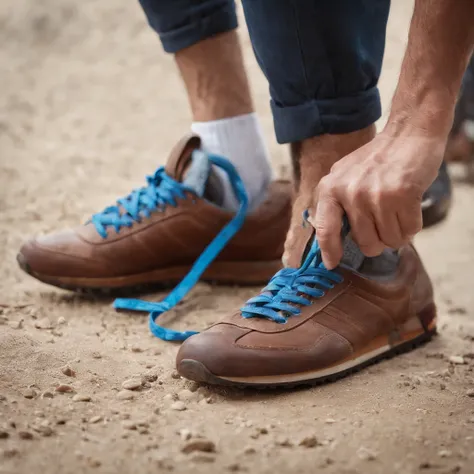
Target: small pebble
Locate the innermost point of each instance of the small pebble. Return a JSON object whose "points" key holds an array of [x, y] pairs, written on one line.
{"points": [[135, 348], [96, 355], [129, 425], [29, 393], [457, 360], [366, 454], [199, 444], [44, 323], [193, 386], [470, 393], [203, 458], [61, 320], [45, 430], [235, 467], [284, 442], [4, 434], [187, 395], [80, 397], [25, 435], [445, 453], [64, 389], [132, 384], [125, 395], [185, 434], [2, 398], [150, 377], [95, 419], [178, 406], [66, 370], [175, 375], [16, 324], [309, 442], [330, 421], [47, 394], [250, 450]]}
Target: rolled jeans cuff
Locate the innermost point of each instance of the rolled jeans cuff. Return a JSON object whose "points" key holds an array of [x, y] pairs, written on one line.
{"points": [[220, 21], [321, 116]]}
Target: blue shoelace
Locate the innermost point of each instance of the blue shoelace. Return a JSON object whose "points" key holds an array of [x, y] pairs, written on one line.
{"points": [[161, 191], [292, 288]]}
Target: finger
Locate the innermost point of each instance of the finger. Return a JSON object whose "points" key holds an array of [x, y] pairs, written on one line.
{"points": [[410, 221], [365, 235], [389, 230], [327, 222]]}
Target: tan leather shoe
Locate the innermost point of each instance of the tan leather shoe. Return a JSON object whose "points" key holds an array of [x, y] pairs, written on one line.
{"points": [[310, 325], [154, 235]]}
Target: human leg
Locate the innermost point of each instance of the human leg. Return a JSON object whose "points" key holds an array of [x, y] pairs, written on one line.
{"points": [[207, 51], [322, 61]]}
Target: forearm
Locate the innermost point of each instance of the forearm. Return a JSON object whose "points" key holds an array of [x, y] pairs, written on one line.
{"points": [[440, 43]]}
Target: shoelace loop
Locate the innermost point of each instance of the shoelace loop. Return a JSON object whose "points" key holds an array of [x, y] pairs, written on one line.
{"points": [[161, 191], [207, 256], [291, 288]]}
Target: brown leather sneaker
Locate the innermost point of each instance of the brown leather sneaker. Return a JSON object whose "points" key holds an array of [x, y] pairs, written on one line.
{"points": [[312, 325], [154, 235]]}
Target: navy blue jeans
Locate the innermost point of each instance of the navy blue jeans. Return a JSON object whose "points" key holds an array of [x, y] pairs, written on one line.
{"points": [[322, 58]]}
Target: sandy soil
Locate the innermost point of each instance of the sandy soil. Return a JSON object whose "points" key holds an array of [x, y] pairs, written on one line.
{"points": [[90, 104]]}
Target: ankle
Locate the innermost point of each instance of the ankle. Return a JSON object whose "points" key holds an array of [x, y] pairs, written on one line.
{"points": [[312, 160], [240, 140]]}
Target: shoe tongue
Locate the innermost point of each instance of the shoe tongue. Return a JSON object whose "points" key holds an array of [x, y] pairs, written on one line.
{"points": [[181, 156], [191, 166]]}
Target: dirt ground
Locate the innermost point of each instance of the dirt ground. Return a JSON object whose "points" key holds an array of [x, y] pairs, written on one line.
{"points": [[90, 104]]}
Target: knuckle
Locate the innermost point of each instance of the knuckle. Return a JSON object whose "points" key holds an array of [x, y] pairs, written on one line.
{"points": [[323, 234], [325, 185], [355, 193]]}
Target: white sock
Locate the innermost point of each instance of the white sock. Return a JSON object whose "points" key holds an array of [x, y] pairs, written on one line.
{"points": [[240, 140]]}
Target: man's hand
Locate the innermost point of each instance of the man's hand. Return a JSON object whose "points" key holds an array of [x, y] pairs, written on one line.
{"points": [[379, 187]]}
